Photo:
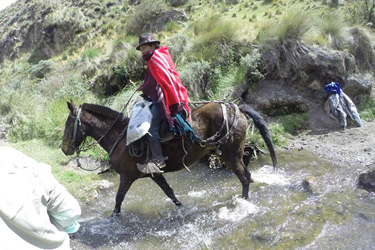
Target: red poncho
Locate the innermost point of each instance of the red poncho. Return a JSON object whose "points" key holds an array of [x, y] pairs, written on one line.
{"points": [[163, 70]]}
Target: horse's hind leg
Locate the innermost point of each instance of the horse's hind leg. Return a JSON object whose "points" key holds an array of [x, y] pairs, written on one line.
{"points": [[238, 167], [125, 183], [163, 184]]}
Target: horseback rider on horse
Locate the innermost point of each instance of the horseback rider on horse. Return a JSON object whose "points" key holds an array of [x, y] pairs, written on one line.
{"points": [[169, 97]]}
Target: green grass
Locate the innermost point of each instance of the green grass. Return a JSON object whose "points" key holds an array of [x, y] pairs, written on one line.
{"points": [[367, 110], [91, 54]]}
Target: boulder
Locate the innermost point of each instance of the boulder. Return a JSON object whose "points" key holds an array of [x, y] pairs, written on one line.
{"points": [[310, 184], [367, 181]]}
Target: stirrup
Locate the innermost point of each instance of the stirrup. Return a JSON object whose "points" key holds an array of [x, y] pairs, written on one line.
{"points": [[150, 167]]}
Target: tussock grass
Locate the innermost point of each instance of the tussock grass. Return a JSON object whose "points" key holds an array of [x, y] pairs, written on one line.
{"points": [[213, 38], [361, 48], [293, 24], [223, 87], [331, 27]]}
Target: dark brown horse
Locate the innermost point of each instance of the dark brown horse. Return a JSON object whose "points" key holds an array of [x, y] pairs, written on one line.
{"points": [[226, 130]]}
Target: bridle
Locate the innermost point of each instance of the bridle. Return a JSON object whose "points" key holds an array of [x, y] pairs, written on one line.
{"points": [[77, 123], [78, 150]]}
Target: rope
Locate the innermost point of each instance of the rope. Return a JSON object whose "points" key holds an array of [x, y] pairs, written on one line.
{"points": [[136, 149], [185, 154]]}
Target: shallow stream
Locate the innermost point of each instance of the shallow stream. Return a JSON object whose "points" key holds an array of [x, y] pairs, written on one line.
{"points": [[280, 213]]}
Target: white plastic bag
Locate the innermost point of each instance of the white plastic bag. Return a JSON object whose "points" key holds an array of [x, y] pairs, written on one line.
{"points": [[140, 121]]}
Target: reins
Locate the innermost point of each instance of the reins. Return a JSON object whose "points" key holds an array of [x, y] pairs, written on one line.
{"points": [[77, 122]]}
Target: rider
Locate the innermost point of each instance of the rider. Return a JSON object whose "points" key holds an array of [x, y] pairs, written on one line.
{"points": [[163, 86]]}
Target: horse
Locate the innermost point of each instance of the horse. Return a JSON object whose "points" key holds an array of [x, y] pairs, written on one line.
{"points": [[223, 127]]}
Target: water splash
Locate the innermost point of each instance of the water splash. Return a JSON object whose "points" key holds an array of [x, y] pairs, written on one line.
{"points": [[197, 194], [242, 208], [267, 175]]}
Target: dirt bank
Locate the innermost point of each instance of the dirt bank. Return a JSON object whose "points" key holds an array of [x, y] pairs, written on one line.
{"points": [[350, 147]]}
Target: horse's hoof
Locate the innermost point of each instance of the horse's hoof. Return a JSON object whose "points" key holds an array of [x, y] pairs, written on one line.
{"points": [[115, 213], [179, 205]]}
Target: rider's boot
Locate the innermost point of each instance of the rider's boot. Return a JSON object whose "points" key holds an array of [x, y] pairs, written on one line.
{"points": [[158, 160]]}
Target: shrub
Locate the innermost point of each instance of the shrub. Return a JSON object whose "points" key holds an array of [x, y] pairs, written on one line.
{"points": [[134, 65], [250, 64], [178, 44], [41, 69], [196, 76], [176, 3], [172, 26], [74, 88], [144, 13]]}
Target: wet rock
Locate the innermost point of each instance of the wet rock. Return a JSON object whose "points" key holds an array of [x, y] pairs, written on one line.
{"points": [[310, 184], [104, 184], [367, 181]]}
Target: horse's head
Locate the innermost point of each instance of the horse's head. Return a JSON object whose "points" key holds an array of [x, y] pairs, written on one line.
{"points": [[74, 132]]}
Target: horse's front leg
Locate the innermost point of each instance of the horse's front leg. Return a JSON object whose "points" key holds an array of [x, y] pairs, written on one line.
{"points": [[125, 183], [163, 184]]}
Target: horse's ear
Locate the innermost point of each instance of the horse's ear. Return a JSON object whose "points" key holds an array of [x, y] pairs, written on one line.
{"points": [[71, 106]]}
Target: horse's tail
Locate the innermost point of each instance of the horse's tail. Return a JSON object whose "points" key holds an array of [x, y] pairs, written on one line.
{"points": [[262, 126]]}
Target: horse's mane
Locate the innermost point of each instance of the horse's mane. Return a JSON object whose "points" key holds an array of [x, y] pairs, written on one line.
{"points": [[102, 110]]}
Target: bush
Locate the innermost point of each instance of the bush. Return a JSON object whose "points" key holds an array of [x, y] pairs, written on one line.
{"points": [[172, 26], [41, 69], [144, 13], [74, 88], [178, 44], [176, 3], [134, 65], [196, 76], [250, 64]]}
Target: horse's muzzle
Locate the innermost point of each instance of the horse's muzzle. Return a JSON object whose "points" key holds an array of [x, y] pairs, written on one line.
{"points": [[67, 148]]}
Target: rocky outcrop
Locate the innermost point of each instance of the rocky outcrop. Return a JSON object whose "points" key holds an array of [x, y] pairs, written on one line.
{"points": [[44, 29], [295, 74]]}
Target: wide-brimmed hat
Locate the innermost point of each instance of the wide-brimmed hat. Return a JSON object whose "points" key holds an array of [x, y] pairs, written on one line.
{"points": [[146, 38]]}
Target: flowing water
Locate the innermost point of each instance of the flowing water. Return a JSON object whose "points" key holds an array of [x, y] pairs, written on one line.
{"points": [[280, 213]]}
